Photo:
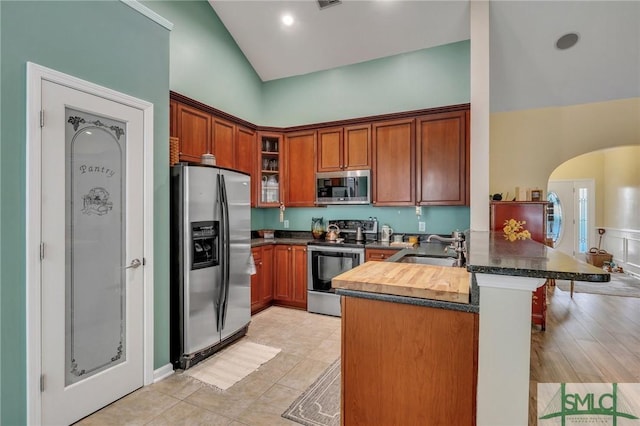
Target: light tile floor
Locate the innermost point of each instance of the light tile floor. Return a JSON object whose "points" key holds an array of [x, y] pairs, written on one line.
{"points": [[309, 343]]}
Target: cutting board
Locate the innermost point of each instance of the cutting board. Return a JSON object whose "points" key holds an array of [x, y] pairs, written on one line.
{"points": [[444, 283]]}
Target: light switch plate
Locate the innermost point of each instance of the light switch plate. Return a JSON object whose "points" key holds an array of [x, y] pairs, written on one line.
{"points": [[286, 224], [422, 227]]}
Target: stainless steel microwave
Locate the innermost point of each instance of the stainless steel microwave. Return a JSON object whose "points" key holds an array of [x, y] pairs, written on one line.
{"points": [[348, 187]]}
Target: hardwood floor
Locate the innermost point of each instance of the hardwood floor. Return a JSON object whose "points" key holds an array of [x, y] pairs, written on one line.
{"points": [[589, 339]]}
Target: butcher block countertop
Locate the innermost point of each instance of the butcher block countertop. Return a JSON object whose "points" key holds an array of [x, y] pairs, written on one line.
{"points": [[427, 285]]}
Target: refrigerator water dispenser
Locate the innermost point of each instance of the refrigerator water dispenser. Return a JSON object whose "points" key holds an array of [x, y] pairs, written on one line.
{"points": [[204, 236]]}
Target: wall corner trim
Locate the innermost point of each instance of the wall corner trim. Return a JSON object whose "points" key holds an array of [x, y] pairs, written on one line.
{"points": [[134, 4]]}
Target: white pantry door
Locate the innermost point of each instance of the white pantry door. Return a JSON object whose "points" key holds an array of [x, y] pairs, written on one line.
{"points": [[92, 233]]}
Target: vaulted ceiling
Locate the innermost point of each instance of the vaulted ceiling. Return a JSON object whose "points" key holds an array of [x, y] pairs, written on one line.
{"points": [[527, 70]]}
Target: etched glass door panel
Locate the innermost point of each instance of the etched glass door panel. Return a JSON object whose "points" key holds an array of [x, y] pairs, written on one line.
{"points": [[95, 150]]}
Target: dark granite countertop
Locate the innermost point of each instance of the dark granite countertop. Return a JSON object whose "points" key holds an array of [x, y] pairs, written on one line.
{"points": [[257, 242], [434, 249], [472, 307], [490, 253]]}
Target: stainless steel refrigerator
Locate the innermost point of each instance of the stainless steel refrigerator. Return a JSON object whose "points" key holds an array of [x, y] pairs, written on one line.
{"points": [[210, 293]]}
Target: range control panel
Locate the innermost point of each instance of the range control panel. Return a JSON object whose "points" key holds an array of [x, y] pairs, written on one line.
{"points": [[369, 226]]}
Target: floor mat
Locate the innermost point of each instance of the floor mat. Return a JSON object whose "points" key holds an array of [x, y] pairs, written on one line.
{"points": [[232, 364], [319, 405]]}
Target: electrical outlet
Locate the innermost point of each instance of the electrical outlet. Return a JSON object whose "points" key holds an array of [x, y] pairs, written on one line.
{"points": [[286, 224], [422, 227]]}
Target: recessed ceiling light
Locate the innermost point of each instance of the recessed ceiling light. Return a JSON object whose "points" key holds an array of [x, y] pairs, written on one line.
{"points": [[287, 20], [566, 41]]}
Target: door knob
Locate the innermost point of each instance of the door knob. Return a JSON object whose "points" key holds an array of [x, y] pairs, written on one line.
{"points": [[134, 264]]}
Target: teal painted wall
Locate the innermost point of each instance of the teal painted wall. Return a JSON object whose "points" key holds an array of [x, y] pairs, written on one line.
{"points": [[206, 63], [1, 285], [416, 80], [219, 75], [438, 219], [107, 43], [110, 44]]}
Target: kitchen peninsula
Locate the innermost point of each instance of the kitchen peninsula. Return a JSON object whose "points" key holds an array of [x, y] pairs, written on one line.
{"points": [[469, 357]]}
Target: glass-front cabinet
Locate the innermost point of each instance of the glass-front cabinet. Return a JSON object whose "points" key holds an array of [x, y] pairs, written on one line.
{"points": [[269, 166]]}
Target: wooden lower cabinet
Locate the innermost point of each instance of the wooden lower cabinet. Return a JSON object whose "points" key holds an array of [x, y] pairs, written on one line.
{"points": [[262, 281], [290, 275], [378, 254], [407, 365]]}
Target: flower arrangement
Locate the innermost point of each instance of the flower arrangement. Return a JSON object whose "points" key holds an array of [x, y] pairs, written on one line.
{"points": [[513, 230]]}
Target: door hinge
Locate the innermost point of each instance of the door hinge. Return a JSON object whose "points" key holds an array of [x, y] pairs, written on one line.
{"points": [[41, 251], [42, 383], [41, 118]]}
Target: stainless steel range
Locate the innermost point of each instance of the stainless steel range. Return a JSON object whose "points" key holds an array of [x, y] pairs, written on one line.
{"points": [[326, 259]]}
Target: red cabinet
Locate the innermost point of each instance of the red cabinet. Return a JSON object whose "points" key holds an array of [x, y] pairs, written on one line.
{"points": [[442, 165], [535, 215], [290, 276], [262, 280]]}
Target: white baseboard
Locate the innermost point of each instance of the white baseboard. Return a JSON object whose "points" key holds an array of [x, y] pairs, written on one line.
{"points": [[162, 373]]}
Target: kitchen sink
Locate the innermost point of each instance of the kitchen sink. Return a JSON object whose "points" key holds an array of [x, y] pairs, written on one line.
{"points": [[421, 259]]}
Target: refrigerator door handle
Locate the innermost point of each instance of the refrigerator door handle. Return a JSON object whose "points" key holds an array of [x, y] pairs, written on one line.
{"points": [[227, 249], [220, 296]]}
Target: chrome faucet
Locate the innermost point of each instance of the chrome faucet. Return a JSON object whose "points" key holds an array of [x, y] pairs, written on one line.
{"points": [[458, 245]]}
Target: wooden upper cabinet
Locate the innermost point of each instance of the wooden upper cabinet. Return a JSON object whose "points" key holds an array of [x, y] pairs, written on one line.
{"points": [[194, 132], [441, 159], [357, 147], [330, 150], [269, 168], [245, 153], [393, 182], [223, 144], [467, 122], [300, 176], [173, 119], [347, 148]]}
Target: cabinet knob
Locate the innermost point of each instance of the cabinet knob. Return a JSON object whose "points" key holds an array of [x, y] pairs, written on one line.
{"points": [[289, 248]]}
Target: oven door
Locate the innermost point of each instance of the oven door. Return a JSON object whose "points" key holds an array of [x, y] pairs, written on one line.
{"points": [[326, 264]]}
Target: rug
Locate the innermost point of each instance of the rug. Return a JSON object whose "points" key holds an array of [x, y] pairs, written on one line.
{"points": [[620, 285], [320, 403], [232, 364]]}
